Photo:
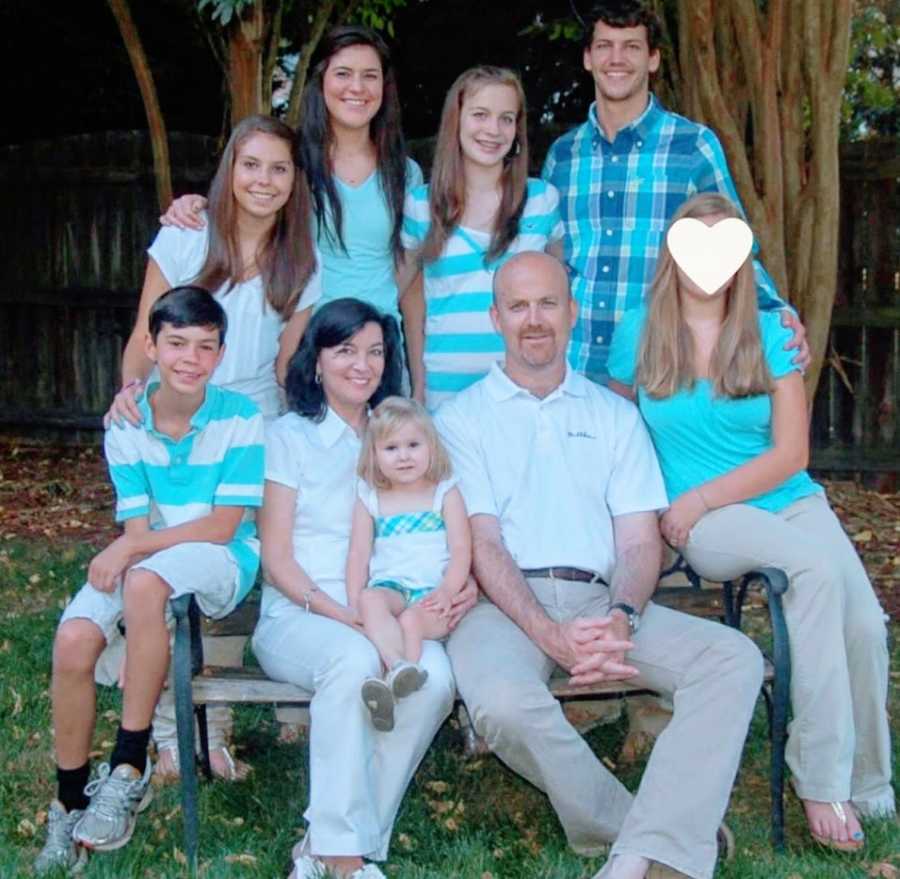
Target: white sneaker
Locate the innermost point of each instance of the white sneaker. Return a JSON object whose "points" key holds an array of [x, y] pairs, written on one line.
{"points": [[405, 678], [60, 849], [116, 799], [379, 699]]}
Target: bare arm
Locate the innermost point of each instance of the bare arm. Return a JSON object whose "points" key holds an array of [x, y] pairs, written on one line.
{"points": [[139, 541], [359, 553], [459, 542], [412, 307], [638, 559], [136, 365], [789, 454], [288, 342], [276, 534], [634, 579], [185, 212]]}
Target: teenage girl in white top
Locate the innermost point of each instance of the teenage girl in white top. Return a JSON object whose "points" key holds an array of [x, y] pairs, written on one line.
{"points": [[410, 542], [257, 257]]}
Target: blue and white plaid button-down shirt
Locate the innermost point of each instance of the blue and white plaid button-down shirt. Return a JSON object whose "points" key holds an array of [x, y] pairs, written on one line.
{"points": [[616, 200]]}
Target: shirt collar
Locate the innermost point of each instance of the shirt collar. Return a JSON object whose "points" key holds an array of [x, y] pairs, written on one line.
{"points": [[501, 387], [332, 427], [638, 129], [199, 419]]}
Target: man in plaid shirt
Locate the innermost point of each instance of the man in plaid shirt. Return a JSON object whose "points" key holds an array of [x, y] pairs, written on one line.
{"points": [[622, 174]]}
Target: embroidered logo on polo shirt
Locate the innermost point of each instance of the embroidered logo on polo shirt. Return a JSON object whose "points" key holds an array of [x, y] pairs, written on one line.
{"points": [[580, 434]]}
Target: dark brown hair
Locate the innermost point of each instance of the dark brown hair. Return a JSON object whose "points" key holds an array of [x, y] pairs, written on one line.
{"points": [[385, 132], [624, 13], [286, 259]]}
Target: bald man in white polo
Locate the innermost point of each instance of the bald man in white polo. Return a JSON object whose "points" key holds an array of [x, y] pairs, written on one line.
{"points": [[563, 490]]}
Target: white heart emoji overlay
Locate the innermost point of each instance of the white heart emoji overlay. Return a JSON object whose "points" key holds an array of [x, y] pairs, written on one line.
{"points": [[709, 255]]}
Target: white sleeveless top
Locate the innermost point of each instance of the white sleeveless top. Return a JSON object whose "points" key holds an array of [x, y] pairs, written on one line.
{"points": [[409, 548]]}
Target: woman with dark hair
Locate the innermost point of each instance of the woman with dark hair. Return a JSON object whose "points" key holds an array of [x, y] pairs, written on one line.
{"points": [[256, 256], [307, 634], [479, 209], [352, 151]]}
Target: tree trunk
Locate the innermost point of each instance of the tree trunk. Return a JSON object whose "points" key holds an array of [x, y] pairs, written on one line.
{"points": [[158, 141], [794, 59], [246, 54]]}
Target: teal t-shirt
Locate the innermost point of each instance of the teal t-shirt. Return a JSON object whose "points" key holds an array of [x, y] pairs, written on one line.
{"points": [[699, 436], [366, 269]]}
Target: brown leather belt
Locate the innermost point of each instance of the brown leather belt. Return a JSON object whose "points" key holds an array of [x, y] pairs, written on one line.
{"points": [[578, 574]]}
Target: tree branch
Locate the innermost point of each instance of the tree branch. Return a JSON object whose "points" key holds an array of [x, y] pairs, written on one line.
{"points": [[158, 140], [320, 22]]}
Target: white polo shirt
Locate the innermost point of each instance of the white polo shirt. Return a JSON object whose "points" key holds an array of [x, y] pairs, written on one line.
{"points": [[554, 471], [318, 460]]}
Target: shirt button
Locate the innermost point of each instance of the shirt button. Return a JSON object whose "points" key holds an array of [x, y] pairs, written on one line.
{"points": [[609, 231], [611, 194], [602, 304], [615, 158], [599, 340], [640, 143], [605, 269]]}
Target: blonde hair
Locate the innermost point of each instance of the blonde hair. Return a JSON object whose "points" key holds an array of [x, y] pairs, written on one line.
{"points": [[388, 417], [447, 189], [737, 365]]}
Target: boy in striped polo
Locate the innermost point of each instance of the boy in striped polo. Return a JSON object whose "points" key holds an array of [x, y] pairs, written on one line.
{"points": [[185, 481]]}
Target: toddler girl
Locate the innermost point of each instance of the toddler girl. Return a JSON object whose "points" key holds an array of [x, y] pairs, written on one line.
{"points": [[410, 548]]}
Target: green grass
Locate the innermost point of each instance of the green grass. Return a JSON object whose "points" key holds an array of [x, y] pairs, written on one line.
{"points": [[465, 819]]}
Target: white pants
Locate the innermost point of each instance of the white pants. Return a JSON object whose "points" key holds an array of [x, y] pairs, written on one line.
{"points": [[357, 775], [839, 739], [713, 674]]}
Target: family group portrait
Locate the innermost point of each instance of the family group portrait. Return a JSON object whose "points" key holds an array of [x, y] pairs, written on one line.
{"points": [[445, 439]]}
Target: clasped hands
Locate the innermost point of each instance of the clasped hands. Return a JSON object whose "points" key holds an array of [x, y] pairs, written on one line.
{"points": [[592, 649]]}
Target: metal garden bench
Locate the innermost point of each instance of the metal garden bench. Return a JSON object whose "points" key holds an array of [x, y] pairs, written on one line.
{"points": [[197, 686]]}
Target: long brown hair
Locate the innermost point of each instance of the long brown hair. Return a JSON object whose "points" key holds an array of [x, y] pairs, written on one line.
{"points": [[737, 365], [385, 131], [447, 190], [286, 259]]}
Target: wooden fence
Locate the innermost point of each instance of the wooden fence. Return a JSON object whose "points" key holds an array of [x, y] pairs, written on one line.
{"points": [[79, 213], [857, 405]]}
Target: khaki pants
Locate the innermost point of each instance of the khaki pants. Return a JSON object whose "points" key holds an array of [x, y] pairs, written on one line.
{"points": [[839, 739], [713, 675]]}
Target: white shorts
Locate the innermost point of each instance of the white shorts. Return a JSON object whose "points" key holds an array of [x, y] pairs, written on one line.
{"points": [[208, 571]]}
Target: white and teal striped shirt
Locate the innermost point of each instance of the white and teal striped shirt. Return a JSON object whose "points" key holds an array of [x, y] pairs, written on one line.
{"points": [[218, 462], [460, 341]]}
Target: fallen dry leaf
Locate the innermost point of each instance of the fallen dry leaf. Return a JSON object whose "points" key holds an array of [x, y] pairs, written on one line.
{"points": [[244, 858]]}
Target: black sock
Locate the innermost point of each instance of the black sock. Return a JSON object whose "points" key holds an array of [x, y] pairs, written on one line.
{"points": [[70, 785], [131, 748]]}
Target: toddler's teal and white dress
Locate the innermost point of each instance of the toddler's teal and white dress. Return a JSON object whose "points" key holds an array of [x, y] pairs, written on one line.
{"points": [[410, 552]]}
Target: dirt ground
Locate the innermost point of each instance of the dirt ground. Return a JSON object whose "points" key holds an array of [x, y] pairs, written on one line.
{"points": [[63, 494]]}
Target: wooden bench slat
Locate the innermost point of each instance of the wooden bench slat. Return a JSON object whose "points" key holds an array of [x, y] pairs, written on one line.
{"points": [[218, 684]]}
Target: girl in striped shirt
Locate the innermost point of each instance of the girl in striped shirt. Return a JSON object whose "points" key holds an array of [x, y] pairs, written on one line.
{"points": [[479, 209]]}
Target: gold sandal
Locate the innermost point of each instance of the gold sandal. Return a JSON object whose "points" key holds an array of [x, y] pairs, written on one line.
{"points": [[168, 770]]}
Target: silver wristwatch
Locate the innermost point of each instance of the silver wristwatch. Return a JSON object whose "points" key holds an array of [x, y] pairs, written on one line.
{"points": [[634, 618]]}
